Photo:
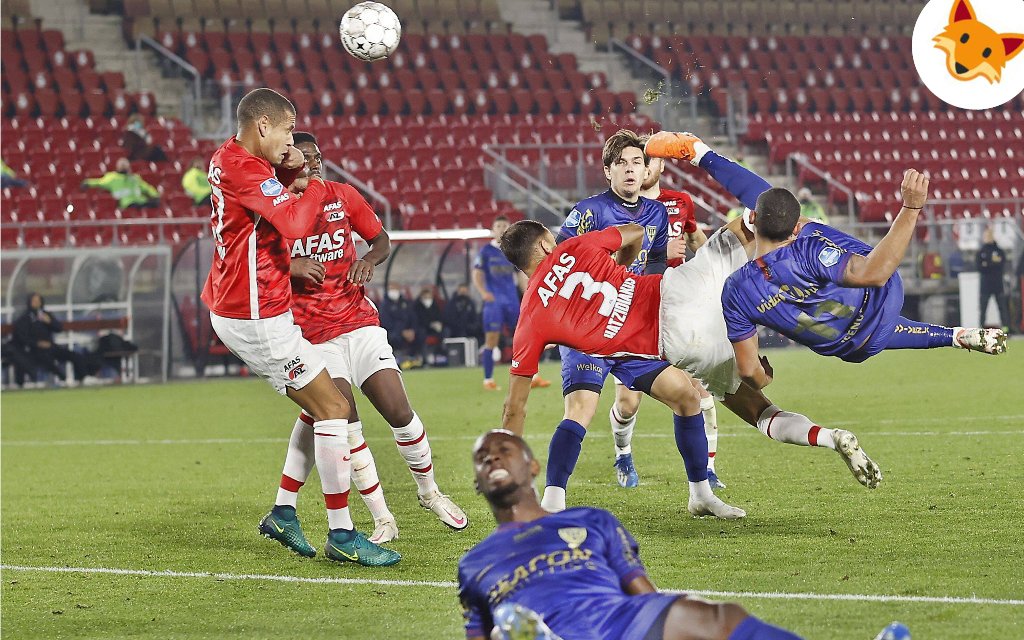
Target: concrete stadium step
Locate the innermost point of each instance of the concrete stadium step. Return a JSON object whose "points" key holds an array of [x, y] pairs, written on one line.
{"points": [[103, 36]]}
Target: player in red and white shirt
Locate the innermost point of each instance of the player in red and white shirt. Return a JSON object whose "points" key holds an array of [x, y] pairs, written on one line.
{"points": [[248, 292], [579, 297], [331, 307]]}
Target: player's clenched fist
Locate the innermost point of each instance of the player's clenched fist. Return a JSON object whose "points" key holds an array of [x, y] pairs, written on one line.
{"points": [[914, 189], [293, 158]]}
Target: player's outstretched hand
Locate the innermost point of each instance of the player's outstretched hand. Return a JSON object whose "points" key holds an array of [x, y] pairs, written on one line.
{"points": [[768, 371], [293, 159], [361, 272], [309, 271], [914, 189]]}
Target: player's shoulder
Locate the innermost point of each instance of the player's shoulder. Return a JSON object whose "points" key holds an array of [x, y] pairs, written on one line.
{"points": [[737, 279], [672, 194], [592, 515], [652, 204]]}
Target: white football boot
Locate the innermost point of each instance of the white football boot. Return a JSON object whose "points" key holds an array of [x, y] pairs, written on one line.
{"points": [[384, 530], [861, 466], [446, 511], [991, 341], [711, 505]]}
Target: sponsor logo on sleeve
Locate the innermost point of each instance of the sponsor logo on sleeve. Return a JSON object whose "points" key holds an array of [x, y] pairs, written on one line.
{"points": [[271, 187], [574, 219], [281, 198], [829, 256], [587, 221]]}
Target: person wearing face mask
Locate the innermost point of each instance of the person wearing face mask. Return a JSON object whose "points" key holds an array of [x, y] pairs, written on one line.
{"points": [[460, 317], [129, 188], [809, 208], [398, 317], [428, 319], [33, 339]]}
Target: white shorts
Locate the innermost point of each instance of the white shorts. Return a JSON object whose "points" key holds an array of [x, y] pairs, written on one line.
{"points": [[357, 355], [693, 333], [272, 348]]}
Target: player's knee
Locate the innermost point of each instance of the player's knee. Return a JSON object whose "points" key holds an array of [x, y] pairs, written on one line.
{"points": [[627, 405], [398, 417], [579, 408]]}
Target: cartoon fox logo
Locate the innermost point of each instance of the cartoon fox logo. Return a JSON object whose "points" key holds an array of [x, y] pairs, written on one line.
{"points": [[973, 48]]}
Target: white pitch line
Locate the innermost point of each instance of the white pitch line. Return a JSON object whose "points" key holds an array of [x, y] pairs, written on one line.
{"points": [[746, 431], [858, 597]]}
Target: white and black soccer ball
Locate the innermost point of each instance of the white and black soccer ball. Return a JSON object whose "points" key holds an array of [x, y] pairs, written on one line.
{"points": [[370, 31]]}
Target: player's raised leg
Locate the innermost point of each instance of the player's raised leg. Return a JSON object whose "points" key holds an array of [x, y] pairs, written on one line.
{"points": [[757, 410], [910, 334], [330, 441], [386, 392], [674, 388], [622, 417]]}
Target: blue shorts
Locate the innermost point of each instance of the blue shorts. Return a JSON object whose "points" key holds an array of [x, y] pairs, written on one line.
{"points": [[881, 317], [500, 314], [580, 371]]}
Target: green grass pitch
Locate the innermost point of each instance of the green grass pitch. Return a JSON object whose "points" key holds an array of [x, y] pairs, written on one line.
{"points": [[176, 477]]}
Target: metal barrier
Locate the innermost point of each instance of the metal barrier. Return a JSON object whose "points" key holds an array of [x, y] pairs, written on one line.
{"points": [[192, 105], [70, 225], [107, 283]]}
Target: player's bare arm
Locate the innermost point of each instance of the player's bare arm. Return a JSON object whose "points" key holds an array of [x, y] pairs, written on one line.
{"points": [[480, 284], [632, 243], [754, 370], [875, 269], [307, 270], [513, 416], [362, 269], [695, 240], [639, 586]]}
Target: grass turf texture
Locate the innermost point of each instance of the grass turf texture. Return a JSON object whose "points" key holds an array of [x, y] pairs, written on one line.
{"points": [[946, 521]]}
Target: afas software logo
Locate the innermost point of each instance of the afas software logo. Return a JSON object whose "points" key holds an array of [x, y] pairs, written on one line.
{"points": [[971, 53]]}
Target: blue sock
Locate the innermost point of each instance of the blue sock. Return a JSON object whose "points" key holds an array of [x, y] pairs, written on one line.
{"points": [[919, 335], [741, 182], [693, 446], [564, 452], [487, 359], [754, 629]]}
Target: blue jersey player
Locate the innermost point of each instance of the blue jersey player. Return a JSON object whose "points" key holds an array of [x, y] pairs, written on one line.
{"points": [[497, 283], [829, 291], [583, 376], [579, 569], [625, 165]]}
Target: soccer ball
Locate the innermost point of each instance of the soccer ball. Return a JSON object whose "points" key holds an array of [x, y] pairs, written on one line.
{"points": [[370, 31]]}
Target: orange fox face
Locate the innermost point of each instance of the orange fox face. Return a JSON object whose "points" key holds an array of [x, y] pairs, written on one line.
{"points": [[973, 48]]}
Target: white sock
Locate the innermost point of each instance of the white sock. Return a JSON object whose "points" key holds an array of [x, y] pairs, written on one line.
{"points": [[701, 490], [622, 432], [793, 428], [334, 467], [699, 151], [956, 332], [415, 448], [364, 473], [554, 499], [298, 462], [707, 407]]}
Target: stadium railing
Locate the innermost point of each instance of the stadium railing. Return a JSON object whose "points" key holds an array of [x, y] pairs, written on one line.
{"points": [[125, 289], [192, 105], [804, 161]]}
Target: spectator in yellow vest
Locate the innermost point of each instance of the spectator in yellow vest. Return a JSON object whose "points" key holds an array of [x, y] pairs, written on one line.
{"points": [[195, 184], [129, 188], [809, 208]]}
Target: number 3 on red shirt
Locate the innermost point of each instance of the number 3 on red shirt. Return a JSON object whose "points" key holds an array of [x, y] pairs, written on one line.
{"points": [[217, 216]]}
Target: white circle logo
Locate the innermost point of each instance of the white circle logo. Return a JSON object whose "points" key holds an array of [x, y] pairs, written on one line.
{"points": [[970, 53]]}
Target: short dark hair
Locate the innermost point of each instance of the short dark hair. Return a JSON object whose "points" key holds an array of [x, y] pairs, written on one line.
{"points": [[518, 240], [263, 102], [778, 211], [519, 440], [304, 137], [619, 142]]}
